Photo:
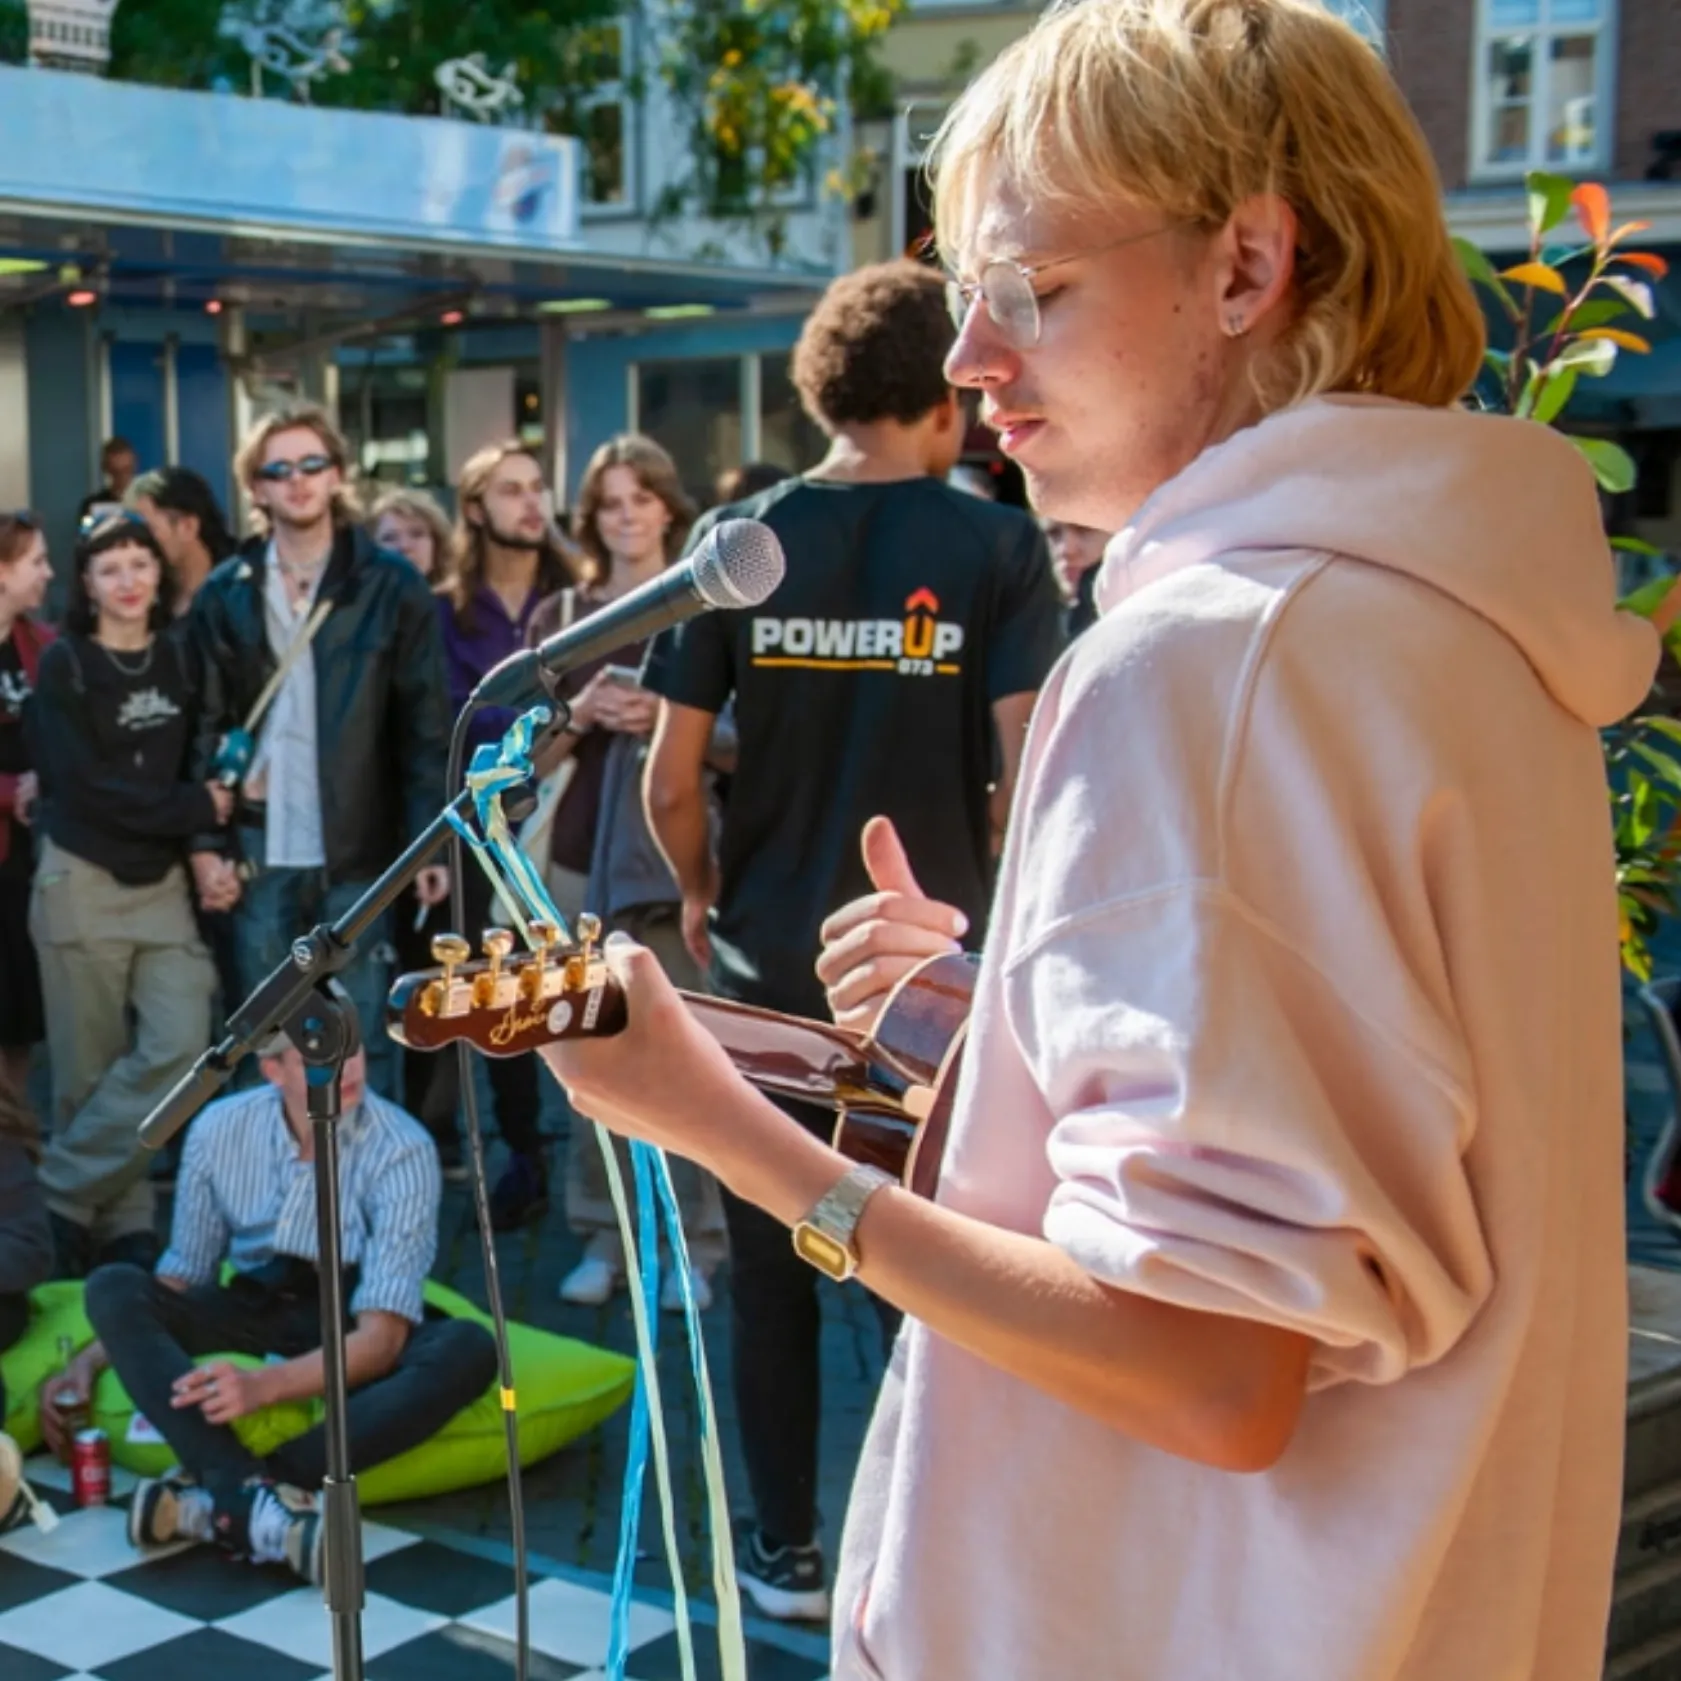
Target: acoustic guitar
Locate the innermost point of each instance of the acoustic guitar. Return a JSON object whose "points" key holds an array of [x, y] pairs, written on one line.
{"points": [[891, 1089]]}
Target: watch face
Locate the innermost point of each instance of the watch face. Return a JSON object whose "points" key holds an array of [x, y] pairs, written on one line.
{"points": [[822, 1252]]}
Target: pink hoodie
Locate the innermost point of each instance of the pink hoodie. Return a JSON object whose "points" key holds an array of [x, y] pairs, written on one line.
{"points": [[1301, 1005]]}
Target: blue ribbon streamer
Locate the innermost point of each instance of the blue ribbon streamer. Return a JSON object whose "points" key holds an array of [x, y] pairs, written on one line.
{"points": [[494, 771]]}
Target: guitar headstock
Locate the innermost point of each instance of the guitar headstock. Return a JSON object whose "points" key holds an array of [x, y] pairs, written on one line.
{"points": [[506, 1002]]}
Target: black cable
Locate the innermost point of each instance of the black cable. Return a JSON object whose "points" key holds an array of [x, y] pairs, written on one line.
{"points": [[487, 1238]]}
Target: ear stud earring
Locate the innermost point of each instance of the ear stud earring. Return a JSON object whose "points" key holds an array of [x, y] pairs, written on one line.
{"points": [[1236, 326]]}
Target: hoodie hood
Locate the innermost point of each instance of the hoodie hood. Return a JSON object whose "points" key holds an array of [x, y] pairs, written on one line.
{"points": [[1500, 514]]}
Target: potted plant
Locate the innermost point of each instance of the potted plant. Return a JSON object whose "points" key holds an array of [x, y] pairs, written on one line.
{"points": [[1566, 327]]}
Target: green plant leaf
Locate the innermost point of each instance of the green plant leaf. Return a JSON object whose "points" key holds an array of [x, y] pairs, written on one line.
{"points": [[1665, 764], [1549, 200], [1591, 312], [1554, 393], [1612, 464], [1670, 727], [1636, 545], [1478, 269]]}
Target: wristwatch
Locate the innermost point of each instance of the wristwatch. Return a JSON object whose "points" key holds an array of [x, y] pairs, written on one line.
{"points": [[824, 1236]]}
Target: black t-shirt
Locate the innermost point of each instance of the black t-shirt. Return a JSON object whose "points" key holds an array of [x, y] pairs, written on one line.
{"points": [[14, 753], [109, 734], [864, 685]]}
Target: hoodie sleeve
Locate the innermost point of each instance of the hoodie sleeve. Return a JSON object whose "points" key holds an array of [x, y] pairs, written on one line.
{"points": [[1233, 1134], [1224, 969]]}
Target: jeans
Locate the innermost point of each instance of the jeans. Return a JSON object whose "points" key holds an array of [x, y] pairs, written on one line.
{"points": [[277, 906], [128, 984], [14, 1321], [775, 1319], [153, 1335]]}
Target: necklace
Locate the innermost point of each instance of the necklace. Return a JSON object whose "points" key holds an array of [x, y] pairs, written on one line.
{"points": [[139, 670]]}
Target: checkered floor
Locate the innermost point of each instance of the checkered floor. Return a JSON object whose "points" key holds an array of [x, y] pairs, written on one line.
{"points": [[80, 1605]]}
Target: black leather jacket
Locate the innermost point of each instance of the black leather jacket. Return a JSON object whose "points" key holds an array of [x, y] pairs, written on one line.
{"points": [[382, 719]]}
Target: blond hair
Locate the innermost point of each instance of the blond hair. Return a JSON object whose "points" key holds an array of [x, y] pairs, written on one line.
{"points": [[309, 417], [1190, 107], [408, 503]]}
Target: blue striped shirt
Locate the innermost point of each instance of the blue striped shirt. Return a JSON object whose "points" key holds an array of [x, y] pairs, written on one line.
{"points": [[243, 1194]]}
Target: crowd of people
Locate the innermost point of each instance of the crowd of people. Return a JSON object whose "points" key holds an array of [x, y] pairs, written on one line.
{"points": [[223, 743]]}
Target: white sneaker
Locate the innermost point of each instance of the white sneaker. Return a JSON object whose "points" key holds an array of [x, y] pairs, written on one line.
{"points": [[590, 1283], [671, 1293]]}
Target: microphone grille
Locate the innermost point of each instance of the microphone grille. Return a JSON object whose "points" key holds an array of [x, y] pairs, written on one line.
{"points": [[739, 562]]}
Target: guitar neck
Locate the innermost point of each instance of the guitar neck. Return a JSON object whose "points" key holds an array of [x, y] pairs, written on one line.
{"points": [[790, 1056]]}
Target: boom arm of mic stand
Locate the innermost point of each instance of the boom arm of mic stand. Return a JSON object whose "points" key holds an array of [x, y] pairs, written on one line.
{"points": [[325, 950]]}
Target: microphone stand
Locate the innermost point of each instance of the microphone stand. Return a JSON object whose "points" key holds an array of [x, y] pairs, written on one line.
{"points": [[304, 999]]}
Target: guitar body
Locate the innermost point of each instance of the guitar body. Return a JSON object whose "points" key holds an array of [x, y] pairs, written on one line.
{"points": [[892, 1089]]}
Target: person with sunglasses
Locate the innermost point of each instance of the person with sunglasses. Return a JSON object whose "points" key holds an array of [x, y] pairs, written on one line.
{"points": [[126, 977], [1269, 1319], [347, 747]]}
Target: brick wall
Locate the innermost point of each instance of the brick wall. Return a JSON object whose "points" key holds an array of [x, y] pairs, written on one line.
{"points": [[1430, 54], [1648, 90], [1430, 47]]}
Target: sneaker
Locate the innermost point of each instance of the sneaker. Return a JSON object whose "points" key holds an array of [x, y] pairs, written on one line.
{"points": [[671, 1292], [520, 1196], [783, 1582], [590, 1283], [164, 1510], [274, 1523]]}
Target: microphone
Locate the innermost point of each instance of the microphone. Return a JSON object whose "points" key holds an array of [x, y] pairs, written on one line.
{"points": [[738, 563]]}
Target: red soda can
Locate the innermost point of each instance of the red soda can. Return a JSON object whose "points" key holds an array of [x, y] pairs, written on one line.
{"points": [[90, 1468]]}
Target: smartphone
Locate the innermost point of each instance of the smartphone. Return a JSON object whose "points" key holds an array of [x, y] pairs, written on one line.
{"points": [[625, 675]]}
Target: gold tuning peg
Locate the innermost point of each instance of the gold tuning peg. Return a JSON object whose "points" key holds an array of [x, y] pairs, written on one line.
{"points": [[451, 951], [544, 937], [498, 943], [589, 932]]}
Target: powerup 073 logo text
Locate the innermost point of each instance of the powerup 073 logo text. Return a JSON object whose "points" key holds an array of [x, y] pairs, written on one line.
{"points": [[921, 644]]}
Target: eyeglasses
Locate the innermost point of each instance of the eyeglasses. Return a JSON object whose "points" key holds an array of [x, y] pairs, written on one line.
{"points": [[311, 466], [1006, 288]]}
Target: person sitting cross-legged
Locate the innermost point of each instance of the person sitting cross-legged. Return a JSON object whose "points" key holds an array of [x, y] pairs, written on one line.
{"points": [[246, 1195]]}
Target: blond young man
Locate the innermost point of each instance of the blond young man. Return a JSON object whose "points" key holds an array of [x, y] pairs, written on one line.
{"points": [[1269, 1321], [349, 762]]}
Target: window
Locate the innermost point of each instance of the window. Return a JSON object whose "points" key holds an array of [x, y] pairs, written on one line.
{"points": [[606, 122], [1542, 96], [692, 408], [787, 436]]}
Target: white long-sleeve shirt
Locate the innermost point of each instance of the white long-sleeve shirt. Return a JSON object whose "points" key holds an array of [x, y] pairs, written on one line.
{"points": [[1300, 1004]]}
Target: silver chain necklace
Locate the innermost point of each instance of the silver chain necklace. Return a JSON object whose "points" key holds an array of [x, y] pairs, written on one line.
{"points": [[139, 670]]}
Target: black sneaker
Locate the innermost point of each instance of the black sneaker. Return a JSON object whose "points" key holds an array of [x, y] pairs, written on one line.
{"points": [[783, 1582], [520, 1196], [273, 1523], [163, 1510]]}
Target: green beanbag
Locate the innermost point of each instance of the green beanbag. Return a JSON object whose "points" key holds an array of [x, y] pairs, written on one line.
{"points": [[55, 1312], [564, 1388]]}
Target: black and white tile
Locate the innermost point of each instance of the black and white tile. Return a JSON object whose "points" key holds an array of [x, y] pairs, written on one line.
{"points": [[79, 1604]]}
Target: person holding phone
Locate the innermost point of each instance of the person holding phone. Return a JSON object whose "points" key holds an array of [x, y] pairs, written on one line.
{"points": [[632, 520]]}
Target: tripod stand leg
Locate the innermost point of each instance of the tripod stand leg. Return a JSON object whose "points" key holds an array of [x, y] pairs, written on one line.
{"points": [[325, 1031]]}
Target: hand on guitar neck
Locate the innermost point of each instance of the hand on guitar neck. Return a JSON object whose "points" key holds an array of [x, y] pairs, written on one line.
{"points": [[872, 944], [888, 1067]]}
